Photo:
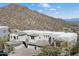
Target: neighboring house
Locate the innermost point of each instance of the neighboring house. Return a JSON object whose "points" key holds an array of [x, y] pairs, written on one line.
{"points": [[67, 29], [4, 32]]}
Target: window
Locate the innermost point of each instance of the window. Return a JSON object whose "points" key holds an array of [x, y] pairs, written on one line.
{"points": [[14, 37], [17, 37], [32, 37]]}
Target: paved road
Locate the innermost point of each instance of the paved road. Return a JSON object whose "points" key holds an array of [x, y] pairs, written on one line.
{"points": [[22, 51]]}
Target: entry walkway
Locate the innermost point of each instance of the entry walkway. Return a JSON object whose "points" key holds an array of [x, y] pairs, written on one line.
{"points": [[23, 51]]}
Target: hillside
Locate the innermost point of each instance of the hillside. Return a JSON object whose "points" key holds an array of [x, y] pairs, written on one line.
{"points": [[20, 17]]}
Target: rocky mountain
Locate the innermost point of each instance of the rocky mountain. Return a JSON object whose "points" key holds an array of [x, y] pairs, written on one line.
{"points": [[20, 17]]}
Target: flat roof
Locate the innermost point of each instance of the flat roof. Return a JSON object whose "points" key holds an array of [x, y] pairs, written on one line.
{"points": [[19, 33], [39, 31]]}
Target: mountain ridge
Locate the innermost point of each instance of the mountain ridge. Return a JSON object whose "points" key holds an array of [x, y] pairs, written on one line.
{"points": [[72, 20], [21, 17]]}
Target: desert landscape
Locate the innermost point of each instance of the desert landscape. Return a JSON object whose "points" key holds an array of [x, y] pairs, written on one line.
{"points": [[39, 29]]}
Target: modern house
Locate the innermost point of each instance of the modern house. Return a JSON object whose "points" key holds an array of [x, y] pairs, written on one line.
{"points": [[41, 38], [36, 38]]}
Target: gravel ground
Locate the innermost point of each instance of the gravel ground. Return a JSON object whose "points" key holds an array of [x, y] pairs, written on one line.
{"points": [[22, 51]]}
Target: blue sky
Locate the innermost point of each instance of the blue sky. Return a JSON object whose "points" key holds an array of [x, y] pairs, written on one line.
{"points": [[58, 10]]}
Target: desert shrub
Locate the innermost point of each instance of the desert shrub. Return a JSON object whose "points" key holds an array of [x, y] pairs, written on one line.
{"points": [[58, 50], [75, 49], [49, 51], [2, 42], [11, 48]]}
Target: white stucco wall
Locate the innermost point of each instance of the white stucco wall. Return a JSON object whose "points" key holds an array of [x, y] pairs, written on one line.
{"points": [[22, 38], [18, 38], [66, 36], [12, 36]]}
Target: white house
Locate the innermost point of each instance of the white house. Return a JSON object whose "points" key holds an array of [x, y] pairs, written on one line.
{"points": [[40, 38], [4, 32]]}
